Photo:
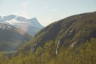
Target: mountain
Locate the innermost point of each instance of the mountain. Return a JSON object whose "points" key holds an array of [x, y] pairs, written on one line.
{"points": [[11, 38], [31, 26], [69, 32], [16, 30], [71, 40], [6, 18]]}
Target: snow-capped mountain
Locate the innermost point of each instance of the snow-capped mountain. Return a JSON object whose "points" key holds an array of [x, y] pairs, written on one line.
{"points": [[30, 26], [16, 30]]}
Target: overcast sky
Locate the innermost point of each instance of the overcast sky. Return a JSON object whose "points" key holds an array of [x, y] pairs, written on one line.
{"points": [[46, 11]]}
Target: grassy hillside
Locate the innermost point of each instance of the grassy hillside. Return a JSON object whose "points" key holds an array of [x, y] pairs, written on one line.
{"points": [[85, 54], [69, 41]]}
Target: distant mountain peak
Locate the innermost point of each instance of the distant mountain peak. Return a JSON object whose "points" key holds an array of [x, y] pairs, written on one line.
{"points": [[20, 18], [31, 26], [35, 22], [15, 18], [16, 30]]}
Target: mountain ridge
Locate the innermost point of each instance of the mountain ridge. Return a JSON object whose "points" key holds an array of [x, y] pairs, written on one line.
{"points": [[31, 26], [16, 31], [71, 31]]}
